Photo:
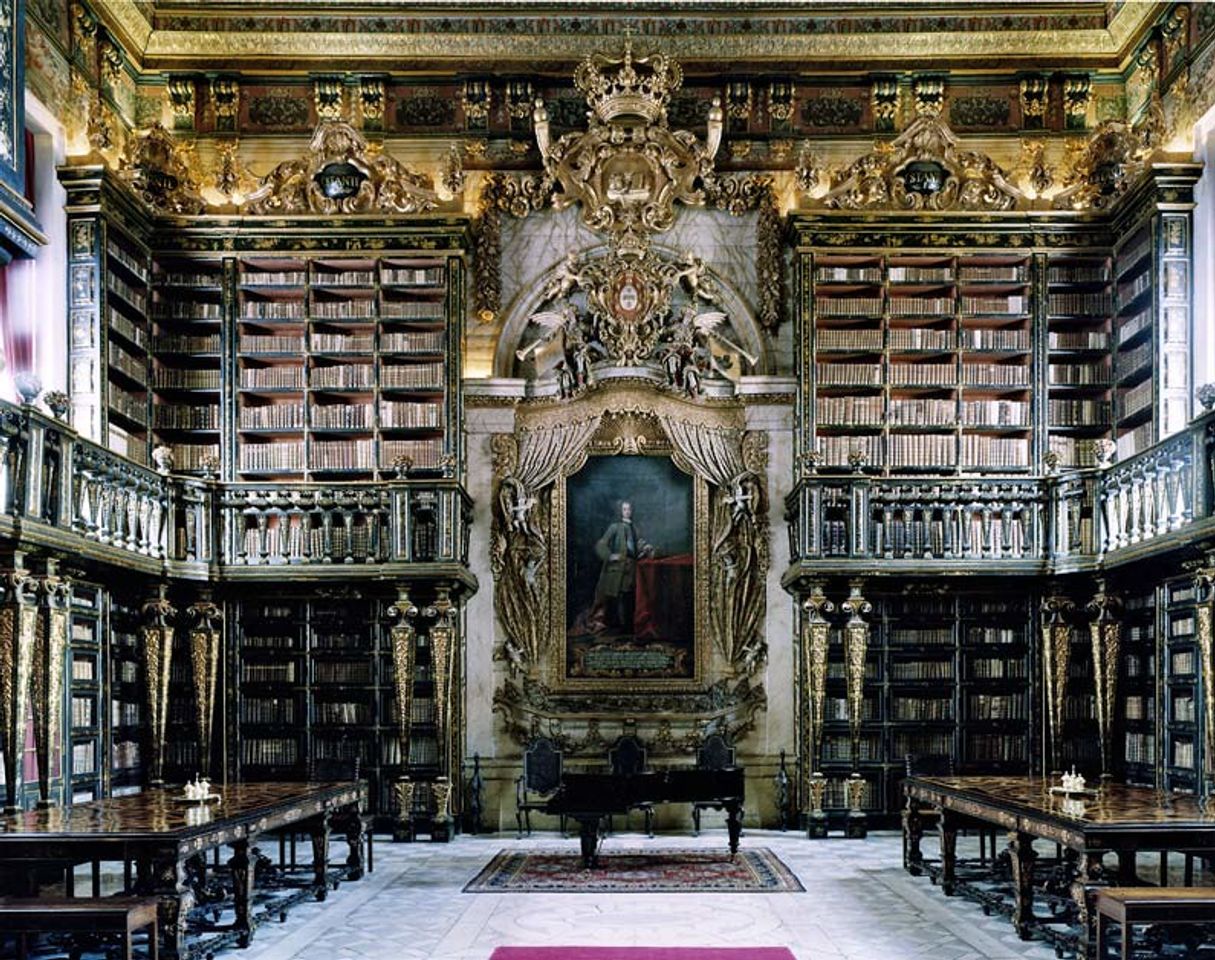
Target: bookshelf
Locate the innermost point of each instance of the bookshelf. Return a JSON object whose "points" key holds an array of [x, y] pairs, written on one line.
{"points": [[124, 670], [995, 692], [1079, 306], [1181, 690], [187, 345], [1137, 686], [86, 683]]}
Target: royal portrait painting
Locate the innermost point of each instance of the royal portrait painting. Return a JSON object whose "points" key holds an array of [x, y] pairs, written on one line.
{"points": [[630, 570]]}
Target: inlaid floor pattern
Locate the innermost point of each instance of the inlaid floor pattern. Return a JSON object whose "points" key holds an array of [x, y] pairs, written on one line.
{"points": [[858, 905]]}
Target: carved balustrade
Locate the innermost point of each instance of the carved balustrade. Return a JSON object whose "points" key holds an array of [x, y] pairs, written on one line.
{"points": [[1151, 494], [117, 502]]}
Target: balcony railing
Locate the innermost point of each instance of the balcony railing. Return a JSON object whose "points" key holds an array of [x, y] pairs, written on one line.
{"points": [[58, 489], [1078, 519]]}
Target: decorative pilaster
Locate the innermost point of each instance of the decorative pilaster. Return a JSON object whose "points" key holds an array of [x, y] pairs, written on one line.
{"points": [[856, 648], [205, 644], [816, 636], [46, 688], [18, 628], [403, 637], [442, 642], [1106, 633], [156, 635], [1056, 653], [1204, 583]]}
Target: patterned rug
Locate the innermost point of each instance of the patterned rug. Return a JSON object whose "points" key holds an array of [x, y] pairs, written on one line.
{"points": [[641, 953], [642, 870]]}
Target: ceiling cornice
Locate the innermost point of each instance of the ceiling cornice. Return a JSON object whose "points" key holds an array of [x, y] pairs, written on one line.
{"points": [[209, 49]]}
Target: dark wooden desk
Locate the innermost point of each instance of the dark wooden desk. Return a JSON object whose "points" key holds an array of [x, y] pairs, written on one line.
{"points": [[589, 797], [160, 834], [1120, 820]]}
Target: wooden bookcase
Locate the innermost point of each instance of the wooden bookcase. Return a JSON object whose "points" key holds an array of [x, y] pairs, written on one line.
{"points": [[85, 718], [1181, 690], [127, 737]]}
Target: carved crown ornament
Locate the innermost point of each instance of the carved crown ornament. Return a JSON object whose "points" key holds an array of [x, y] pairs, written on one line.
{"points": [[1107, 163], [628, 169], [341, 173]]}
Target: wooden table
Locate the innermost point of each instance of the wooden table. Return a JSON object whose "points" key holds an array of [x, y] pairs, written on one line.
{"points": [[160, 834], [1119, 819]]}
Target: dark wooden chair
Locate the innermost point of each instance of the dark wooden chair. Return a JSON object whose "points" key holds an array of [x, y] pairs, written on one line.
{"points": [[329, 771], [626, 758], [715, 753], [542, 765], [1127, 906], [121, 916]]}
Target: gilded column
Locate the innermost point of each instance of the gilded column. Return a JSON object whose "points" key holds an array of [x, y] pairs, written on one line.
{"points": [[157, 637], [816, 637], [18, 629], [46, 688], [403, 637], [856, 648], [1204, 582], [442, 660], [1056, 653], [205, 644], [1106, 633]]}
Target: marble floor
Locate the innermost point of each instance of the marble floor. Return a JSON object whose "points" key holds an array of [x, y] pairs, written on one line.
{"points": [[858, 905]]}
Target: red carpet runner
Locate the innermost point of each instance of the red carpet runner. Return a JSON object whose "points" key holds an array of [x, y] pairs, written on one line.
{"points": [[641, 953]]}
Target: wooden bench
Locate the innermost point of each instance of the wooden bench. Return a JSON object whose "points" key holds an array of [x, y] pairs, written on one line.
{"points": [[1127, 906], [118, 915]]}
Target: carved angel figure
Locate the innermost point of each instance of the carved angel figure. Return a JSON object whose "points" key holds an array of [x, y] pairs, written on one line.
{"points": [[686, 349], [578, 347], [517, 506]]}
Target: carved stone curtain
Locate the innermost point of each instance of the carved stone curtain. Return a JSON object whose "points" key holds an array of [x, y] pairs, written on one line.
{"points": [[542, 453], [713, 452]]}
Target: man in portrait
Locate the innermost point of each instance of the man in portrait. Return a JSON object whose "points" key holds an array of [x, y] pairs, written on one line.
{"points": [[618, 550]]}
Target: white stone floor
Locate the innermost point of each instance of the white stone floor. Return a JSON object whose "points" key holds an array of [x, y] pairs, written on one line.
{"points": [[859, 904]]}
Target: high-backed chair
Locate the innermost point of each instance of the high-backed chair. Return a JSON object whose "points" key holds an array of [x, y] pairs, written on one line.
{"points": [[330, 771], [540, 779], [714, 753], [627, 757]]}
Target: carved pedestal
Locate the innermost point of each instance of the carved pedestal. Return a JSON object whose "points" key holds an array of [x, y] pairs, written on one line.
{"points": [[856, 824], [913, 833], [1022, 857]]}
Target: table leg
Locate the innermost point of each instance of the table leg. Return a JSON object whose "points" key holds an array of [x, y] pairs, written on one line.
{"points": [[352, 827], [1021, 848], [1091, 874], [1100, 937], [167, 880], [734, 825], [947, 827], [243, 866], [588, 835], [913, 833], [320, 856]]}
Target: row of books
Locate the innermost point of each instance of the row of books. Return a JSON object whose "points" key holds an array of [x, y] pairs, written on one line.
{"points": [[1181, 663], [847, 338], [850, 410], [994, 273], [840, 748], [188, 310], [270, 752], [995, 306], [398, 275], [83, 712], [360, 343], [181, 417], [344, 278], [343, 376], [192, 457], [922, 412], [999, 413], [130, 405], [1093, 304], [1130, 257], [921, 306], [1183, 708], [342, 671], [835, 451], [995, 451], [343, 455], [848, 306], [125, 713], [1133, 361], [905, 274], [922, 670], [251, 343], [1094, 272], [251, 276], [833, 274], [270, 641], [1071, 413], [133, 367], [1072, 451], [1183, 754], [1134, 400], [1139, 707], [268, 710], [997, 706], [1140, 747], [921, 708], [285, 457], [1078, 374], [83, 667], [135, 262], [1129, 291], [181, 343], [279, 416], [1078, 340], [136, 297], [1129, 444], [191, 379], [921, 636], [176, 278], [125, 754], [920, 338], [996, 748], [928, 449], [994, 635], [268, 672], [995, 374], [341, 713], [988, 339], [997, 668], [125, 327], [1132, 326]]}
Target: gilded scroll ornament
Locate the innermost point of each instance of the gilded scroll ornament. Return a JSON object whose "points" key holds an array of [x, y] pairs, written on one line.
{"points": [[205, 643], [161, 171], [1034, 100], [780, 102], [856, 648], [628, 169], [329, 97], [1107, 163], [341, 173], [157, 640], [1056, 654], [1106, 633], [923, 169], [181, 102], [46, 687], [1077, 98], [816, 636], [371, 102], [928, 95], [225, 101], [884, 98], [18, 631]]}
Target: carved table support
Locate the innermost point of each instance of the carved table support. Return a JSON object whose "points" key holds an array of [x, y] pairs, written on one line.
{"points": [[167, 880], [947, 828], [320, 856], [1022, 857], [242, 865], [913, 833], [350, 822], [1091, 873]]}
